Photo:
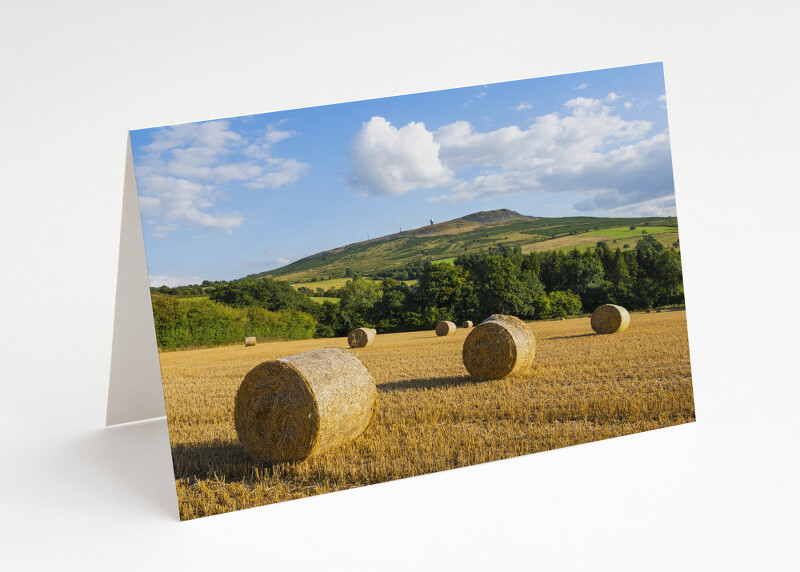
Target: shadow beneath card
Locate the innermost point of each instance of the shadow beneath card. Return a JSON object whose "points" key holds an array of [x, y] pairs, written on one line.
{"points": [[130, 465]]}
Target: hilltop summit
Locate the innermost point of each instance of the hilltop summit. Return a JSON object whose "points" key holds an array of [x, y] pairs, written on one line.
{"points": [[498, 215]]}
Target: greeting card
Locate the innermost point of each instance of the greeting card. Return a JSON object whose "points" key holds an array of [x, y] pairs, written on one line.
{"points": [[362, 292]]}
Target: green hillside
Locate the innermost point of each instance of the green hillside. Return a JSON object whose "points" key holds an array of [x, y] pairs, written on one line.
{"points": [[473, 233]]}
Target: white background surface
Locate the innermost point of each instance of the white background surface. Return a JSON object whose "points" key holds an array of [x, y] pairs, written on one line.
{"points": [[717, 494]]}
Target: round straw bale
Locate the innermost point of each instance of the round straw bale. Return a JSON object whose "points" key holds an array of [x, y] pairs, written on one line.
{"points": [[466, 324], [294, 407], [445, 328], [610, 318], [498, 347], [250, 341], [361, 337], [374, 331]]}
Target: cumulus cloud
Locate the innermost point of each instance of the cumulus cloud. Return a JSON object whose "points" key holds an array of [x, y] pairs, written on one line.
{"points": [[181, 172], [521, 106], [385, 160], [616, 164], [612, 97]]}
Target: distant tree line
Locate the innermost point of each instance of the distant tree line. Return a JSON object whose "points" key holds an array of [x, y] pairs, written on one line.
{"points": [[538, 285], [546, 285], [188, 291], [188, 323]]}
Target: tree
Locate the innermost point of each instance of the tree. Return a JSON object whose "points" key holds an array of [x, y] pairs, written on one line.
{"points": [[266, 293], [617, 270], [499, 290], [358, 297], [387, 313], [564, 304], [441, 286], [582, 272], [668, 278]]}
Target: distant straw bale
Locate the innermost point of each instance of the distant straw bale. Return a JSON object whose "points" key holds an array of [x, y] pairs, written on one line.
{"points": [[610, 319], [361, 337], [498, 347], [445, 328], [294, 407], [466, 324], [251, 341]]}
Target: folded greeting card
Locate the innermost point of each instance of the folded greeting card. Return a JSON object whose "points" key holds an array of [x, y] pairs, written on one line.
{"points": [[356, 293]]}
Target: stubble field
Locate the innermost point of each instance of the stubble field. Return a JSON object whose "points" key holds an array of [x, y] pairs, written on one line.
{"points": [[432, 415]]}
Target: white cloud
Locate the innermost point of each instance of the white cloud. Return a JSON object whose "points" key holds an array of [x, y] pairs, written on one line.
{"points": [[627, 105], [612, 97], [161, 230], [550, 140], [172, 281], [180, 170], [587, 151], [581, 86], [385, 160], [274, 135], [662, 98], [615, 164], [211, 134], [521, 106], [279, 172]]}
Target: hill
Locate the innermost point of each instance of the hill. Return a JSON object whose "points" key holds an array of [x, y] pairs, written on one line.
{"points": [[476, 232]]}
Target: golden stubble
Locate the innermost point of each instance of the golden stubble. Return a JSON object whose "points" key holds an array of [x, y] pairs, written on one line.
{"points": [[431, 414]]}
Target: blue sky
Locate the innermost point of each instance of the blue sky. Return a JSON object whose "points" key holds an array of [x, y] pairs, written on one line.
{"points": [[225, 198]]}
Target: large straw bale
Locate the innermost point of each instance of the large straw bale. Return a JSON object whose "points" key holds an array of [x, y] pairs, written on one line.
{"points": [[466, 324], [498, 347], [361, 337], [294, 407], [610, 319], [250, 341], [445, 328], [374, 331]]}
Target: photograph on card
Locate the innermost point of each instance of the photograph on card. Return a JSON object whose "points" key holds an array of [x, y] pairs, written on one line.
{"points": [[355, 293]]}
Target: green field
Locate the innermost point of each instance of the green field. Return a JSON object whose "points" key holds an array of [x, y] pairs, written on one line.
{"points": [[321, 299], [324, 284], [626, 232], [450, 260]]}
